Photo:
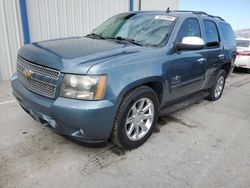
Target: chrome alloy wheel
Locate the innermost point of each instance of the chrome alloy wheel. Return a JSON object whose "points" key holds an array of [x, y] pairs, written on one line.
{"points": [[219, 87], [139, 119]]}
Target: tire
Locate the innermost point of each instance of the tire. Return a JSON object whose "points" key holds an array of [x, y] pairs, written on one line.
{"points": [[128, 132], [216, 91]]}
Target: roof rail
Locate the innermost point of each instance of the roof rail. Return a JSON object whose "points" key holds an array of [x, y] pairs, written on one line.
{"points": [[191, 11], [219, 18], [196, 12]]}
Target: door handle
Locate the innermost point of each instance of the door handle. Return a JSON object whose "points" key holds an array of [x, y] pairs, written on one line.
{"points": [[201, 60], [176, 79], [221, 56]]}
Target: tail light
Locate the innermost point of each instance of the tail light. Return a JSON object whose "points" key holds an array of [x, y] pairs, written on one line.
{"points": [[244, 53]]}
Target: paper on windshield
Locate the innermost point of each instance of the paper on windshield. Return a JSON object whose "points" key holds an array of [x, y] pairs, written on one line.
{"points": [[164, 17]]}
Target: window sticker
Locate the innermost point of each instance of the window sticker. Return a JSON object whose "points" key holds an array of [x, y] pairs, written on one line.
{"points": [[164, 17]]}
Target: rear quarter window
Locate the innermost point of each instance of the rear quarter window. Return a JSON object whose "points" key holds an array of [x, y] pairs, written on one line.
{"points": [[228, 34]]}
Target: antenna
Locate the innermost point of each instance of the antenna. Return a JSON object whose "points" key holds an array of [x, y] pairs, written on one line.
{"points": [[168, 10]]}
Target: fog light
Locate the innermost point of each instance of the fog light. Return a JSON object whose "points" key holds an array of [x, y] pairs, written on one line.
{"points": [[50, 121], [79, 133]]}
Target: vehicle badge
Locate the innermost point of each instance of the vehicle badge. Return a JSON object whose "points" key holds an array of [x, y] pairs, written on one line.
{"points": [[27, 73]]}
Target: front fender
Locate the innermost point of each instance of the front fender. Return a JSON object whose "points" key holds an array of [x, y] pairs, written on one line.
{"points": [[140, 82], [132, 71]]}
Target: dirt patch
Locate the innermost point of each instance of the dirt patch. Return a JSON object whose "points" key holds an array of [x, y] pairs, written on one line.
{"points": [[180, 121], [240, 83], [157, 129], [170, 119], [103, 159], [162, 121], [118, 151]]}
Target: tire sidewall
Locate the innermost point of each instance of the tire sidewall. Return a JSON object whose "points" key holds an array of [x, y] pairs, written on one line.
{"points": [[141, 93], [221, 73]]}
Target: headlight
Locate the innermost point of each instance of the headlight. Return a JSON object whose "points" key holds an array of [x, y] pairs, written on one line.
{"points": [[83, 87]]}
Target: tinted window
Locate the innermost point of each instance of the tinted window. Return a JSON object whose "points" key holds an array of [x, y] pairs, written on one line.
{"points": [[190, 27], [211, 32], [228, 34], [243, 43]]}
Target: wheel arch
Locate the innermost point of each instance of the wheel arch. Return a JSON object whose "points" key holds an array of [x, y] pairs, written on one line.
{"points": [[156, 83], [226, 67]]}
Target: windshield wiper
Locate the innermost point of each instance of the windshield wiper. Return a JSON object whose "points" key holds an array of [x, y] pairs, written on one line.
{"points": [[125, 39], [95, 36]]}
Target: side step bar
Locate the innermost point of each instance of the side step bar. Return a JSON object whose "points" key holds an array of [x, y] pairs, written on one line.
{"points": [[183, 103]]}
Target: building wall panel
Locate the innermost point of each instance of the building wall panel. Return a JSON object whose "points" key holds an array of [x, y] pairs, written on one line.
{"points": [[10, 36], [49, 19], [61, 18], [156, 4]]}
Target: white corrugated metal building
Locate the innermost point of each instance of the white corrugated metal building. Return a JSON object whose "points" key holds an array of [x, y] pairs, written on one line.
{"points": [[49, 19]]}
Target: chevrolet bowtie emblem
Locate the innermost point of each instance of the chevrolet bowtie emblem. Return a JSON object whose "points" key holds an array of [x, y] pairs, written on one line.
{"points": [[27, 73]]}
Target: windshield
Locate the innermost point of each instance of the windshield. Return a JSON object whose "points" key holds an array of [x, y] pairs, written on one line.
{"points": [[144, 29]]}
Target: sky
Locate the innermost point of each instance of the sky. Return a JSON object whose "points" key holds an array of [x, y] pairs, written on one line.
{"points": [[235, 12]]}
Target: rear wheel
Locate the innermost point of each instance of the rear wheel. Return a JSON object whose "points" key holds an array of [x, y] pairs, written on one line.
{"points": [[217, 90], [136, 118]]}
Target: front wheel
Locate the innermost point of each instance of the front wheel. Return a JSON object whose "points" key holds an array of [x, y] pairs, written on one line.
{"points": [[216, 91], [136, 118]]}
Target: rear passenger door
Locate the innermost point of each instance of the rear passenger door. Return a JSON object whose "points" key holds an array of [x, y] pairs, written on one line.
{"points": [[214, 50]]}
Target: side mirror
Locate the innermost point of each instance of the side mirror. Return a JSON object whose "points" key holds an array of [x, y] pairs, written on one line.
{"points": [[190, 43]]}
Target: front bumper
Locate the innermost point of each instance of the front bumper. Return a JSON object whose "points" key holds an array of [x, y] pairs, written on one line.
{"points": [[85, 121]]}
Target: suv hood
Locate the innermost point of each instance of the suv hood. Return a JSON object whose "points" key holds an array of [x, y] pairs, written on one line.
{"points": [[70, 54]]}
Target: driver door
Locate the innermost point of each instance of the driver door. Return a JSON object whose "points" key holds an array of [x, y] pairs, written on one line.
{"points": [[187, 69]]}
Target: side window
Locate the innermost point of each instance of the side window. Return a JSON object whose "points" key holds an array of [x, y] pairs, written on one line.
{"points": [[228, 34], [190, 27], [211, 32]]}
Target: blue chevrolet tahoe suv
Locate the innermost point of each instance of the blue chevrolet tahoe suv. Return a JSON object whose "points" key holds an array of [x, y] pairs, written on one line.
{"points": [[115, 82]]}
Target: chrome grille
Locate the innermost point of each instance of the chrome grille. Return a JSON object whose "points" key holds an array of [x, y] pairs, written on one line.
{"points": [[38, 86], [44, 71], [41, 82]]}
